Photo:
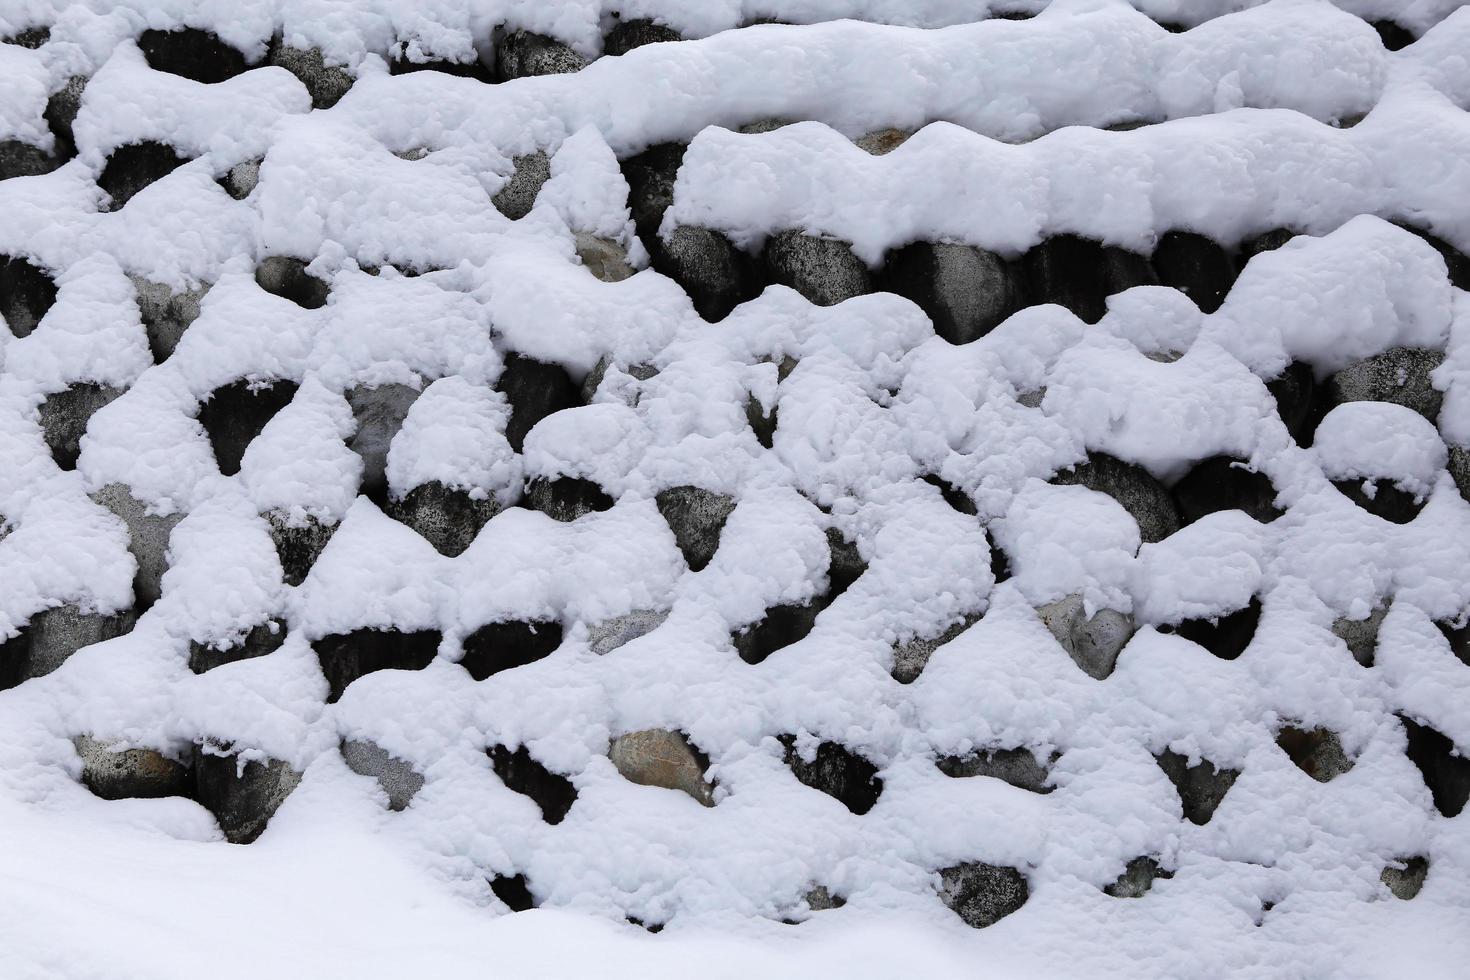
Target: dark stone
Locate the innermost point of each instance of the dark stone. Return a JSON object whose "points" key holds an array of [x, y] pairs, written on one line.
{"points": [[192, 53], [1459, 467], [345, 657], [1317, 752], [514, 891], [64, 418], [1225, 636], [780, 627], [131, 168], [652, 927], [1268, 241], [1201, 786], [845, 564], [166, 314], [1018, 767], [1458, 637], [27, 292], [521, 773], [520, 54], [952, 494], [19, 159], [1386, 499], [707, 265], [1407, 881], [502, 646], [762, 424], [286, 277], [822, 269], [60, 631], [130, 774], [1132, 486], [241, 179], [325, 83], [30, 37], [448, 518], [983, 894], [1081, 274], [1399, 376], [380, 413], [696, 516], [1445, 769], [1222, 483], [566, 498], [1137, 878], [1456, 262], [401, 63], [261, 640], [518, 196], [629, 34], [242, 798], [650, 176], [61, 114], [300, 546], [1299, 401], [15, 658], [1394, 37], [235, 413], [535, 390], [1196, 266], [910, 659], [966, 291], [399, 780], [148, 535], [839, 772]]}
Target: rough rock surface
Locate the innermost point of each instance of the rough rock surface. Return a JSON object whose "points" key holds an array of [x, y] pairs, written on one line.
{"points": [[1202, 785], [822, 269], [399, 780], [656, 757], [449, 518], [64, 418], [983, 894]]}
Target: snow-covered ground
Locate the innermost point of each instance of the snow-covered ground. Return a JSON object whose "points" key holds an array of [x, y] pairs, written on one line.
{"points": [[1230, 534]]}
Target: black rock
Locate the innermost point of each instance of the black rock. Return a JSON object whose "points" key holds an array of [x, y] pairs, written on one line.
{"points": [[1457, 263], [242, 798], [1081, 274], [1394, 37], [845, 564], [519, 54], [30, 37], [192, 53], [822, 269], [696, 516], [518, 196], [15, 658], [1201, 786], [520, 772], [1132, 486], [1225, 636], [1458, 637], [1386, 499], [1018, 767], [839, 772], [1196, 266], [650, 176], [20, 159], [27, 292], [64, 418], [325, 83], [762, 423], [261, 640], [380, 413], [1399, 376], [952, 494], [780, 627], [1268, 241], [447, 517], [1407, 881], [61, 114], [130, 774], [401, 64], [1222, 483], [131, 168], [345, 657], [629, 34], [1317, 752], [286, 277], [983, 894], [566, 498], [298, 546], [1137, 878], [502, 646], [1446, 769], [966, 291], [514, 891], [707, 265], [910, 659], [535, 390], [235, 413], [1299, 401]]}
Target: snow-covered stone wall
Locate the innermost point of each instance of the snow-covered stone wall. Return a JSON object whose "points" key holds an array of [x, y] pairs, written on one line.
{"points": [[986, 484]]}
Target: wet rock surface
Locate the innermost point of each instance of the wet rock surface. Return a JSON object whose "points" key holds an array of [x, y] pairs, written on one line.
{"points": [[780, 627], [1382, 498], [1201, 785], [19, 159], [657, 757], [344, 657], [553, 793], [838, 771], [514, 891], [447, 517], [495, 647], [707, 265], [983, 894], [64, 418], [1298, 401], [399, 780]]}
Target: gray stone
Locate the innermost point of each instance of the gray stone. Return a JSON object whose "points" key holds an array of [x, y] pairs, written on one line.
{"points": [[30, 37], [243, 798], [241, 179], [398, 778], [821, 899], [965, 291], [1201, 786], [380, 413], [606, 260], [27, 293], [1317, 752], [983, 894], [566, 498], [520, 54], [298, 546], [767, 125], [61, 114], [882, 141], [1399, 375], [1031, 399], [166, 314], [650, 177], [1405, 877], [1137, 878], [61, 631], [707, 265], [19, 159], [1459, 467], [286, 276], [762, 423], [64, 418], [822, 269], [258, 642], [122, 774], [593, 381], [1361, 635], [518, 196], [449, 518], [610, 634], [1019, 767], [1144, 497], [635, 33], [131, 168], [148, 539], [910, 659], [696, 516], [849, 778], [657, 757], [326, 83], [1092, 642]]}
